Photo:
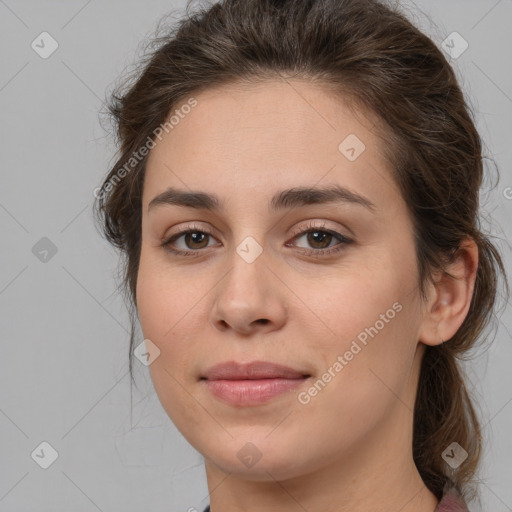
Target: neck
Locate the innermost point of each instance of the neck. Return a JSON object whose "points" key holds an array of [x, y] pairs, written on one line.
{"points": [[371, 478]]}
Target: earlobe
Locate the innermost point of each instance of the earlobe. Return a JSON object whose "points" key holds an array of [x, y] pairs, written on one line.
{"points": [[449, 298]]}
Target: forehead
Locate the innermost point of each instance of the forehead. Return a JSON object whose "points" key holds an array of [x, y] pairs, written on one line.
{"points": [[255, 138]]}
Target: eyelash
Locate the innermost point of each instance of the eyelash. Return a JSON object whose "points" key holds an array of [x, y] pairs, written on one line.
{"points": [[309, 228]]}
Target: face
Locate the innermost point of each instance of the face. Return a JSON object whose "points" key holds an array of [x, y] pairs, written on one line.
{"points": [[324, 284]]}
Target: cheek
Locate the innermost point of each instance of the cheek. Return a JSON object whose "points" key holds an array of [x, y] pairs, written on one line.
{"points": [[346, 304], [172, 310], [165, 316], [364, 370], [370, 318], [164, 297], [160, 310]]}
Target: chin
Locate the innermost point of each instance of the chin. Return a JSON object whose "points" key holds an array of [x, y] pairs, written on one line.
{"points": [[257, 460]]}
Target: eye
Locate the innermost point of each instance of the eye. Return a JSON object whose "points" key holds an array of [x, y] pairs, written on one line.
{"points": [[194, 238], [321, 240]]}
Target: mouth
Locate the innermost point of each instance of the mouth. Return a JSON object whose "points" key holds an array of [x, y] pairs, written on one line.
{"points": [[253, 383]]}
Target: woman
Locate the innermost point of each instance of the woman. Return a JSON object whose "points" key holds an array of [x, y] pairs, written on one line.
{"points": [[296, 196]]}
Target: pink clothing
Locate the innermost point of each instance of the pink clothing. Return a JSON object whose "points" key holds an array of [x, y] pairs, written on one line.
{"points": [[451, 500]]}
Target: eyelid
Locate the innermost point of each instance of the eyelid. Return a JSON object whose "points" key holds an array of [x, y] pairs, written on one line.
{"points": [[343, 234], [190, 227]]}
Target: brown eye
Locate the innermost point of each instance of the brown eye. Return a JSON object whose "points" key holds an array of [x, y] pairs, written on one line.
{"points": [[188, 242], [195, 239], [319, 239]]}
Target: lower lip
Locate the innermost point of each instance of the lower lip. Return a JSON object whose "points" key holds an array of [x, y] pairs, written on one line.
{"points": [[251, 392]]}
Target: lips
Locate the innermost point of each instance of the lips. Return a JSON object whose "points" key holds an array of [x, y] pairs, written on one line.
{"points": [[232, 370], [254, 383]]}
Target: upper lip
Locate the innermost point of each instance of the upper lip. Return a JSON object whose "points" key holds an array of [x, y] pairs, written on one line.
{"points": [[232, 370]]}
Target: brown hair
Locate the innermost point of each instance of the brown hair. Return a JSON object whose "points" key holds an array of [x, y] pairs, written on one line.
{"points": [[374, 57]]}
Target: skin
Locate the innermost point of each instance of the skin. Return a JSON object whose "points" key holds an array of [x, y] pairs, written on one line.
{"points": [[350, 447]]}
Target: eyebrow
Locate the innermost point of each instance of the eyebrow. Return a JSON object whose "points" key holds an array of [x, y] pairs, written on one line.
{"points": [[285, 199]]}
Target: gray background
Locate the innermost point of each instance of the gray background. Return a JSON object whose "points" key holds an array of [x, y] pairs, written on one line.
{"points": [[64, 329]]}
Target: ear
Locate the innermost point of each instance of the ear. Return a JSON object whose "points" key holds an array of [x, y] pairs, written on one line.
{"points": [[449, 299]]}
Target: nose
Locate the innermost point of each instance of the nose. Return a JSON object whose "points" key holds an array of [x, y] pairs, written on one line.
{"points": [[250, 298]]}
